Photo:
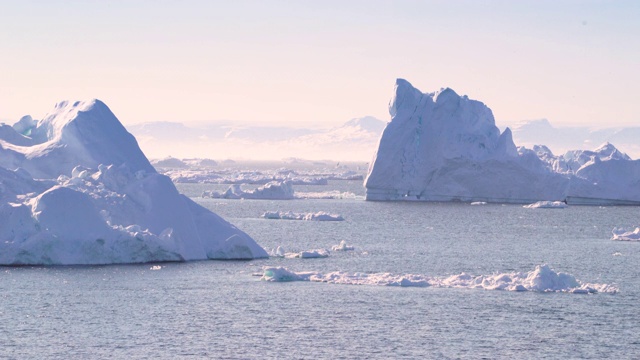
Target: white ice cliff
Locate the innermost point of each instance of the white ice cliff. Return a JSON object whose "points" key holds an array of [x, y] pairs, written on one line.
{"points": [[445, 147], [75, 188]]}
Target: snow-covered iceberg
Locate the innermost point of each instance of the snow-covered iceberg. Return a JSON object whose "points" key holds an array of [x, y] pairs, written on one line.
{"points": [[541, 279], [444, 147], [76, 189]]}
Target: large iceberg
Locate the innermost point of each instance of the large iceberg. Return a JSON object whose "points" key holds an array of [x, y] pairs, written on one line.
{"points": [[76, 189], [444, 147]]}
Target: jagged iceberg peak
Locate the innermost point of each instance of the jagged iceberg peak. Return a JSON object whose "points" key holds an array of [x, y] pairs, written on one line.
{"points": [[443, 108], [428, 128], [74, 133]]}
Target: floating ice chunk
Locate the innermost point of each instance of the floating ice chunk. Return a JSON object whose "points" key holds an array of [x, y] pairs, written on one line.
{"points": [[621, 234], [479, 203], [278, 252], [280, 274], [289, 215], [308, 254], [342, 247], [541, 279], [274, 190], [323, 216], [546, 205]]}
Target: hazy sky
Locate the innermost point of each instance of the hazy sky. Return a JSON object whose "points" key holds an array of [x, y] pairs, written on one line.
{"points": [[320, 62]]}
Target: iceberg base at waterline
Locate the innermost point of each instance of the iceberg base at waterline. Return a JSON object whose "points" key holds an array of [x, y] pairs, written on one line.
{"points": [[111, 216]]}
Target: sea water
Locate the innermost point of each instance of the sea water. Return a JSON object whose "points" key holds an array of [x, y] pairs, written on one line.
{"points": [[221, 309]]}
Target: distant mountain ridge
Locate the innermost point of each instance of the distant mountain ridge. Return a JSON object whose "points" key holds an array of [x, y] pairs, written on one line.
{"points": [[356, 139]]}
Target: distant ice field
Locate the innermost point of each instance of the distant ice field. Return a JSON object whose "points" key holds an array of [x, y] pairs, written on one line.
{"points": [[221, 309]]}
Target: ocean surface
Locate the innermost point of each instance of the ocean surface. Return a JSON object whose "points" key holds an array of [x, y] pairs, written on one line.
{"points": [[222, 310]]}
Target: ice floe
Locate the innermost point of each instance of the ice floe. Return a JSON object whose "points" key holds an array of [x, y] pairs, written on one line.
{"points": [[621, 234], [342, 247], [546, 205], [279, 252], [308, 254], [289, 215], [541, 279]]}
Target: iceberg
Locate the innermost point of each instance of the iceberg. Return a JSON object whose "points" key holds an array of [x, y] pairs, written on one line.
{"points": [[75, 188], [444, 147], [540, 279], [274, 190], [169, 162]]}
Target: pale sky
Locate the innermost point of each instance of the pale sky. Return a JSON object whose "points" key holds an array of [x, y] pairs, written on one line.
{"points": [[314, 63]]}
